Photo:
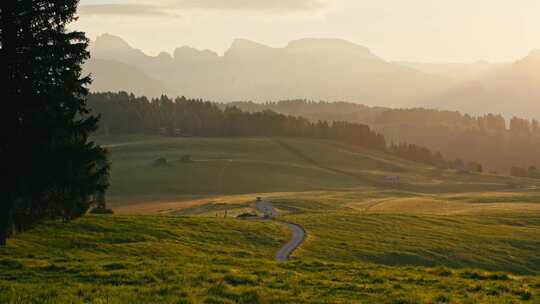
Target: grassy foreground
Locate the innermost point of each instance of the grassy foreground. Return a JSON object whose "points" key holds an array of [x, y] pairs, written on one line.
{"points": [[436, 237], [345, 227], [145, 259], [502, 242]]}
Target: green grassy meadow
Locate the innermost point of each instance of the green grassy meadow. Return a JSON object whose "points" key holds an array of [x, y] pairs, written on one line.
{"points": [[225, 166], [148, 259], [498, 242], [436, 237]]}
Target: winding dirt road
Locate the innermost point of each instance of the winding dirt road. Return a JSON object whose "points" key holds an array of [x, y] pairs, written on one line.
{"points": [[298, 234]]}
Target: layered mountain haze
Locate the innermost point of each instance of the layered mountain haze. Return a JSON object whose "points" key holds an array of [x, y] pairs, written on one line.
{"points": [[112, 75], [115, 65], [317, 69], [512, 90], [320, 69], [456, 71]]}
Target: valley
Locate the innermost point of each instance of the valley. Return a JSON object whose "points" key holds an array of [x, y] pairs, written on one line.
{"points": [[261, 152]]}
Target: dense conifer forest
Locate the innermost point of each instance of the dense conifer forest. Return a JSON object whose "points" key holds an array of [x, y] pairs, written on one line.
{"points": [[124, 113], [500, 143]]}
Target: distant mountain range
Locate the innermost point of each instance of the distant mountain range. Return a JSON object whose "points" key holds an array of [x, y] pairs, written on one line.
{"points": [[317, 69], [456, 71], [112, 75], [511, 90]]}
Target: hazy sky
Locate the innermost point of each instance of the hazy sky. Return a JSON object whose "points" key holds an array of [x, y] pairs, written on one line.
{"points": [[415, 30]]}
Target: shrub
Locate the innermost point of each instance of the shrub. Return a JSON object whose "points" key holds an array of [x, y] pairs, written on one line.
{"points": [[161, 162], [186, 158], [246, 215]]}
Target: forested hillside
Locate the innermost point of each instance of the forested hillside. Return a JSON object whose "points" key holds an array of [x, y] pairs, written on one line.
{"points": [[127, 114], [124, 113], [498, 143]]}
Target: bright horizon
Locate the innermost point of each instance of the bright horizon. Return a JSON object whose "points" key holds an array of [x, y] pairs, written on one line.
{"points": [[418, 30]]}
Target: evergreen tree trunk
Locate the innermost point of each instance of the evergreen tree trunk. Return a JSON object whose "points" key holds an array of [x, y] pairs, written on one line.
{"points": [[9, 114], [6, 224]]}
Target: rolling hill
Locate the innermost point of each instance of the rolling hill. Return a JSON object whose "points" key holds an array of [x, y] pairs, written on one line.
{"points": [[239, 166]]}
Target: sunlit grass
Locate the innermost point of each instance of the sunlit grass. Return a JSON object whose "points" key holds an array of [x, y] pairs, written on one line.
{"points": [[436, 237], [142, 259], [231, 166]]}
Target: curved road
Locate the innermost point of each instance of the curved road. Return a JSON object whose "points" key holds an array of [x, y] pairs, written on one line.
{"points": [[298, 234]]}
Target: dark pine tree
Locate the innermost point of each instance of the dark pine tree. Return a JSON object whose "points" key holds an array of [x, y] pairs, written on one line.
{"points": [[50, 169]]}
